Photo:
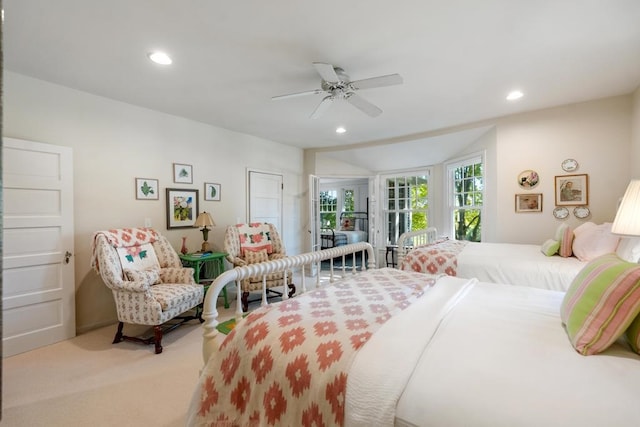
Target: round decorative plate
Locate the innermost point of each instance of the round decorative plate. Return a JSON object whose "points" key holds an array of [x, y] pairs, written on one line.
{"points": [[569, 165], [581, 212], [561, 212], [528, 179]]}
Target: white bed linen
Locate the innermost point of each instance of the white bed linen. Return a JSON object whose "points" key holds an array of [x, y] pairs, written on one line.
{"points": [[498, 357], [517, 264], [354, 236]]}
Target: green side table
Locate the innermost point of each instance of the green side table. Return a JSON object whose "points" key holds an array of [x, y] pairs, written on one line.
{"points": [[211, 263]]}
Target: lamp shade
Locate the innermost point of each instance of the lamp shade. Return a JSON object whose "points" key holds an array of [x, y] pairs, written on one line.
{"points": [[627, 220], [204, 220]]}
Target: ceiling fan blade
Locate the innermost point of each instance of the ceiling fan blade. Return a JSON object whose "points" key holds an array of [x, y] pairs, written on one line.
{"points": [[322, 107], [293, 95], [363, 105], [388, 80], [327, 72]]}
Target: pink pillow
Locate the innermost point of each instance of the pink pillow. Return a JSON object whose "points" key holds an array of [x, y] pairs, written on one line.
{"points": [[592, 241], [566, 244]]}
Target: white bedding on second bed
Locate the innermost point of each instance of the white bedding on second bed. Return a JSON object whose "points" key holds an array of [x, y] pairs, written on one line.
{"points": [[495, 355], [517, 264]]}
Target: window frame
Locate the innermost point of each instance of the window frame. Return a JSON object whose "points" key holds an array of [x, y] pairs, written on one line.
{"points": [[386, 211], [451, 208]]}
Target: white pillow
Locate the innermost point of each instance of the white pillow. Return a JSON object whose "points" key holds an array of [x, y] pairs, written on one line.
{"points": [[583, 227], [629, 249], [592, 241], [138, 257]]}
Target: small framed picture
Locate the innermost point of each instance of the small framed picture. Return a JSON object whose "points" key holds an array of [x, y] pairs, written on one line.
{"points": [[182, 208], [572, 190], [212, 191], [147, 189], [530, 202], [182, 174]]}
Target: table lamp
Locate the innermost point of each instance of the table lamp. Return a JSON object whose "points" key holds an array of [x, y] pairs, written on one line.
{"points": [[627, 220], [204, 220]]}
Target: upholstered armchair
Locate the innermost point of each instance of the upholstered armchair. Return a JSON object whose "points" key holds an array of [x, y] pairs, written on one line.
{"points": [[253, 243], [149, 284]]}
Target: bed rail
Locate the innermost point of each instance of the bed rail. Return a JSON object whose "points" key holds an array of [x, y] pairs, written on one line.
{"points": [[413, 239], [293, 263]]}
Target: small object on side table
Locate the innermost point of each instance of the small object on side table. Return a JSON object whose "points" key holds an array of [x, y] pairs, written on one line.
{"points": [[198, 260], [183, 249]]}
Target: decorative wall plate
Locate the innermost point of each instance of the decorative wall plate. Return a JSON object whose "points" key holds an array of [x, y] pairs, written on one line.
{"points": [[528, 179], [561, 212], [569, 165], [581, 212]]}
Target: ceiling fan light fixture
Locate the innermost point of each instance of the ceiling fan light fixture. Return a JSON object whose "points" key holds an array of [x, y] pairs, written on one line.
{"points": [[514, 94], [336, 85], [340, 129], [160, 58]]}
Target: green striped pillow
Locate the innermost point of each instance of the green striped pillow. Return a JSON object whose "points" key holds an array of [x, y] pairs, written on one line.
{"points": [[601, 303]]}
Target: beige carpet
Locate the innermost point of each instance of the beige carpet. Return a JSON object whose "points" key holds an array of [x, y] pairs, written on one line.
{"points": [[87, 381]]}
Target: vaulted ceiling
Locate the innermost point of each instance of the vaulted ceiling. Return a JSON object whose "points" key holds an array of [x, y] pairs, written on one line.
{"points": [[458, 58]]}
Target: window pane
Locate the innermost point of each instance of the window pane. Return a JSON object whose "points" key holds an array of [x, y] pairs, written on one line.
{"points": [[349, 200], [407, 205], [467, 224], [467, 183]]}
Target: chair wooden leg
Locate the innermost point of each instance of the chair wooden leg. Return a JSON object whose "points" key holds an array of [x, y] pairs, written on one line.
{"points": [[157, 331], [118, 336], [245, 301]]}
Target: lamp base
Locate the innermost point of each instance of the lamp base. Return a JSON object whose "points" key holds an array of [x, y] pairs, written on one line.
{"points": [[205, 247]]}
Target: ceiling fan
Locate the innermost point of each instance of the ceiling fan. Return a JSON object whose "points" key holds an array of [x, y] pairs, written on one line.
{"points": [[335, 82]]}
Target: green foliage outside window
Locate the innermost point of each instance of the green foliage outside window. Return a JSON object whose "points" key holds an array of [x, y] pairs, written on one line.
{"points": [[468, 182], [407, 205], [328, 208]]}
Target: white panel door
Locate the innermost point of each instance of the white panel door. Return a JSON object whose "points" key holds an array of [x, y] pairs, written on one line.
{"points": [[265, 198], [38, 270]]}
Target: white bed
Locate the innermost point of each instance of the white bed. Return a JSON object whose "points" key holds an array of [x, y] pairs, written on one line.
{"points": [[352, 228], [453, 351], [511, 263]]}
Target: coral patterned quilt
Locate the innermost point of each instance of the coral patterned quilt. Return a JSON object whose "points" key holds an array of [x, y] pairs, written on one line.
{"points": [[287, 363], [437, 258]]}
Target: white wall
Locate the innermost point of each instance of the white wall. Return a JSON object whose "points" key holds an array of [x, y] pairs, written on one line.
{"points": [[598, 134], [115, 142]]}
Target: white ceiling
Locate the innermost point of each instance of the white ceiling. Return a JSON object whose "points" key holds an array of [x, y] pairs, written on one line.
{"points": [[458, 58]]}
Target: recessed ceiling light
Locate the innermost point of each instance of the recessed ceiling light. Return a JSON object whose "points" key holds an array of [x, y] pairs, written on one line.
{"points": [[513, 95], [160, 58], [341, 130]]}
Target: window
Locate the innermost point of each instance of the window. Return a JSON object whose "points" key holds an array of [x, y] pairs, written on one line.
{"points": [[348, 200], [328, 208], [406, 207], [466, 179]]}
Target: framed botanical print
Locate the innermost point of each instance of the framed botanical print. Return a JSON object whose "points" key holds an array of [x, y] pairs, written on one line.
{"points": [[147, 189], [212, 191], [182, 208], [572, 190], [182, 174]]}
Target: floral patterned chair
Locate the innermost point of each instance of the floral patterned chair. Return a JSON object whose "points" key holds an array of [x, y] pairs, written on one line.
{"points": [[253, 243], [149, 284]]}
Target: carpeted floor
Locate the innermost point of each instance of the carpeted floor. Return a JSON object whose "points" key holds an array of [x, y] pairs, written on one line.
{"points": [[88, 381]]}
